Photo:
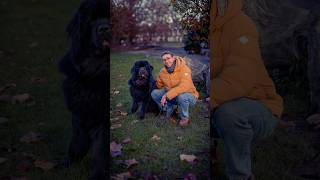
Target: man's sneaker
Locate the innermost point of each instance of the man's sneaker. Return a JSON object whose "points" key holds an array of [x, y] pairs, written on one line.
{"points": [[184, 122]]}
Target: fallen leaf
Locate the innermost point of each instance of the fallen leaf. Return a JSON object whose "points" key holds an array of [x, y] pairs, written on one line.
{"points": [[126, 141], [21, 98], [188, 158], [134, 121], [3, 120], [116, 92], [127, 163], [119, 105], [190, 176], [122, 176], [114, 119], [115, 149], [115, 126], [44, 165], [6, 87], [31, 137], [2, 160], [29, 155], [155, 138], [314, 119], [124, 113], [121, 113], [179, 138]]}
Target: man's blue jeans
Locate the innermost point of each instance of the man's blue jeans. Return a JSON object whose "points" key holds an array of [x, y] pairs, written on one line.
{"points": [[239, 123], [183, 101]]}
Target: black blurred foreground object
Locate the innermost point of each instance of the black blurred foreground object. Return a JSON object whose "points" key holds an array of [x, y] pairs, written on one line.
{"points": [[85, 84]]}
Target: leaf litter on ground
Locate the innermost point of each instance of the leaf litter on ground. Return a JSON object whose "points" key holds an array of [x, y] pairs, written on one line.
{"points": [[44, 164], [155, 137], [128, 163], [115, 149], [189, 158], [31, 137], [126, 141], [115, 126]]}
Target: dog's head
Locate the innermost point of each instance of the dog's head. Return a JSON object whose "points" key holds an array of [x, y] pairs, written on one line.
{"points": [[89, 29], [141, 73]]}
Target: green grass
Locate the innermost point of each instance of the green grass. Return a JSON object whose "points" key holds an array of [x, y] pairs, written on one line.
{"points": [[160, 158]]}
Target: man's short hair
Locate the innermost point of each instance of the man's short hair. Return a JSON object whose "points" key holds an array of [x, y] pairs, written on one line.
{"points": [[166, 52]]}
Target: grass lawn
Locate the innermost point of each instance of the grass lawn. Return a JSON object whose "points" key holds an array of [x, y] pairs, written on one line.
{"points": [[159, 157]]}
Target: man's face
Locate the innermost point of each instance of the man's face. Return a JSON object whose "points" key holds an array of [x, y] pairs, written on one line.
{"points": [[168, 60]]}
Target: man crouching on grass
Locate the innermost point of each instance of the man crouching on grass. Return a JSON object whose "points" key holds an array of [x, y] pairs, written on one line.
{"points": [[175, 87]]}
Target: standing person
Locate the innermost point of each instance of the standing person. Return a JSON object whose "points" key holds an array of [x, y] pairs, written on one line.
{"points": [[244, 103], [175, 87]]}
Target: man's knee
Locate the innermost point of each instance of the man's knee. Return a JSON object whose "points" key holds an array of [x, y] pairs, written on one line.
{"points": [[156, 93], [224, 118], [185, 99]]}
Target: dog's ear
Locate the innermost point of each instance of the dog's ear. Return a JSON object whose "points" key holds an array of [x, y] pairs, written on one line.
{"points": [[151, 67]]}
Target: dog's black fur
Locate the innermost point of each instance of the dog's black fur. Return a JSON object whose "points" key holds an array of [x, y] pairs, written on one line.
{"points": [[85, 84], [141, 86]]}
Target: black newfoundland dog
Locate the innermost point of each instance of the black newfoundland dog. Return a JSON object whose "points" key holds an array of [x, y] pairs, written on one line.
{"points": [[141, 85], [85, 84]]}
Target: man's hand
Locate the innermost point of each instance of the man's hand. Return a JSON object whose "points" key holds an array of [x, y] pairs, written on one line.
{"points": [[163, 100]]}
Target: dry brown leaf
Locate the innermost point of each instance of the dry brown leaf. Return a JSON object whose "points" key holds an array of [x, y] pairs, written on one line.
{"points": [[119, 105], [134, 121], [6, 87], [2, 160], [128, 163], [122, 176], [314, 119], [190, 176], [126, 141], [44, 165], [116, 92], [115, 126], [188, 158], [115, 149], [114, 119], [131, 162], [31, 137], [123, 113], [21, 98], [155, 138]]}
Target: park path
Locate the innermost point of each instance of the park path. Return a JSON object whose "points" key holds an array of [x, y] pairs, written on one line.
{"points": [[155, 52]]}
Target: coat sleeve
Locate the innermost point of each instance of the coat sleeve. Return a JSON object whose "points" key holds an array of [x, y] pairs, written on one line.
{"points": [[159, 82], [184, 84], [239, 72]]}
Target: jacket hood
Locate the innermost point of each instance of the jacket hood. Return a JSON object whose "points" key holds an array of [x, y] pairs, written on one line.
{"points": [[234, 7]]}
